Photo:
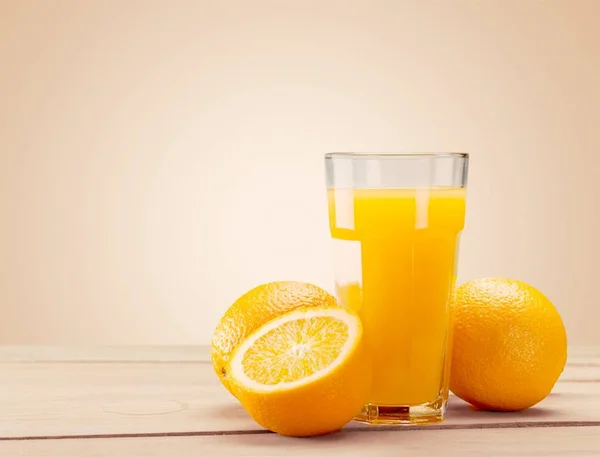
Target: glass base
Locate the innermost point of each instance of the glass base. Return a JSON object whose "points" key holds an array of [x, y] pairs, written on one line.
{"points": [[428, 413]]}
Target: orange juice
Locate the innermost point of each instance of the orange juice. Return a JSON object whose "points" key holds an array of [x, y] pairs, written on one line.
{"points": [[397, 251]]}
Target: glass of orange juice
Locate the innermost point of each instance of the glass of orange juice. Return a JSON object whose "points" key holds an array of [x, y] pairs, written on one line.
{"points": [[396, 220]]}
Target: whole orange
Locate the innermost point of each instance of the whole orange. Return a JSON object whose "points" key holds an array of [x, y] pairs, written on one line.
{"points": [[509, 344], [254, 309]]}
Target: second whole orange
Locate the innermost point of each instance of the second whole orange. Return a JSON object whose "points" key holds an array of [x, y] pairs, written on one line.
{"points": [[509, 344]]}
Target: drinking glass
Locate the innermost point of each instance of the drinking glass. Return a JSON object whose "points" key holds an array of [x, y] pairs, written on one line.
{"points": [[396, 220]]}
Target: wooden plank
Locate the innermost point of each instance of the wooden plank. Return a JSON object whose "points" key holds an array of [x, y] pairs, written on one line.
{"points": [[578, 355], [581, 373], [104, 354], [583, 355], [530, 442], [49, 399]]}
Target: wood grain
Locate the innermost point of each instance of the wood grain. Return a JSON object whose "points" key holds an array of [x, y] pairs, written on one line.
{"points": [[518, 442], [104, 354], [164, 401], [114, 398], [579, 355]]}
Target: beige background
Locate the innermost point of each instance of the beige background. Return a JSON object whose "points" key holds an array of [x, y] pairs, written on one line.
{"points": [[159, 158]]}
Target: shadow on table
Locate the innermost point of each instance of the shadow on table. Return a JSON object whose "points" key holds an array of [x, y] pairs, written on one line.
{"points": [[460, 409], [229, 411]]}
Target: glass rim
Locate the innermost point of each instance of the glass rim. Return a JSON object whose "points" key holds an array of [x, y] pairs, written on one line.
{"points": [[395, 155]]}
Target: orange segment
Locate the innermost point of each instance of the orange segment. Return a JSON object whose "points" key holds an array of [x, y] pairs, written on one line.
{"points": [[294, 350]]}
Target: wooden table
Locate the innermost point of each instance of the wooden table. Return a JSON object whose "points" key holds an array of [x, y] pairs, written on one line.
{"points": [[166, 401]]}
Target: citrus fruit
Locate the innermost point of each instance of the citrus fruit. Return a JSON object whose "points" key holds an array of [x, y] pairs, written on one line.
{"points": [[255, 308], [304, 373], [510, 344]]}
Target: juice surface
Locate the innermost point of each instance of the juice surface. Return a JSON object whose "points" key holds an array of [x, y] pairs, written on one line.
{"points": [[396, 251]]}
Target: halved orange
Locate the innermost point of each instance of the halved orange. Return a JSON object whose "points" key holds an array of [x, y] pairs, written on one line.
{"points": [[304, 373], [254, 309]]}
